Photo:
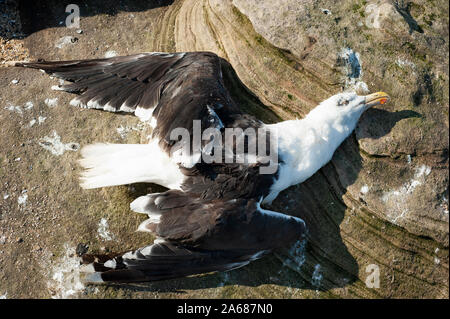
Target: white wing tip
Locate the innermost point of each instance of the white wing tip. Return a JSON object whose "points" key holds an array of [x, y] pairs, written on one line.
{"points": [[73, 102], [59, 88], [126, 108], [143, 227], [110, 264], [139, 204]]}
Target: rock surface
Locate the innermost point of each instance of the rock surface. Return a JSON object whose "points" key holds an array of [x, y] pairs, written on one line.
{"points": [[380, 205]]}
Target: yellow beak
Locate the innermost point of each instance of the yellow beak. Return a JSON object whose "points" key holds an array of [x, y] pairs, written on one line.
{"points": [[377, 98]]}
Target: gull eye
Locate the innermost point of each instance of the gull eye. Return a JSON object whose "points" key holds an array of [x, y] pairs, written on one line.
{"points": [[343, 102]]}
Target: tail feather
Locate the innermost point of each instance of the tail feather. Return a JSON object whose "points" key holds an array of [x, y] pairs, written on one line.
{"points": [[120, 164], [113, 164]]}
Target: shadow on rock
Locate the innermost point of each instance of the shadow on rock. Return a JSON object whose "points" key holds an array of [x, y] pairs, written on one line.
{"points": [[42, 14], [376, 123], [404, 9]]}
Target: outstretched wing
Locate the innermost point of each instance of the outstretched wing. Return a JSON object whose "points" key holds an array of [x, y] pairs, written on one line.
{"points": [[168, 89], [197, 236], [117, 84]]}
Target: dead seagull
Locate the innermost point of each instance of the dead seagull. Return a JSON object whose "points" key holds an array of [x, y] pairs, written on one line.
{"points": [[210, 219]]}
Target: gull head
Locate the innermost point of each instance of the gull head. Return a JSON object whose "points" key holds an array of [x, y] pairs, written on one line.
{"points": [[346, 108], [350, 102]]}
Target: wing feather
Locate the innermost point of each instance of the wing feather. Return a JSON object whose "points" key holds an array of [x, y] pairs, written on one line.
{"points": [[199, 236], [175, 89]]}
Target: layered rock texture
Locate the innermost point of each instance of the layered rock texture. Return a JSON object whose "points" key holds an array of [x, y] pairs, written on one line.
{"points": [[377, 213]]}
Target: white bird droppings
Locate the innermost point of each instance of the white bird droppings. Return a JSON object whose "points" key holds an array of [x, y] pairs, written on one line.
{"points": [[22, 199], [444, 205], [352, 63], [397, 199], [29, 105], [51, 102], [316, 278], [404, 63], [364, 189], [4, 296], [62, 42], [17, 109], [65, 276], [41, 119], [54, 145], [110, 54], [15, 81], [14, 108], [296, 256], [103, 230], [124, 130]]}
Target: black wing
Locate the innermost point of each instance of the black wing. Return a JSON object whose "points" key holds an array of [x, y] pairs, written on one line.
{"points": [[114, 84], [173, 88], [217, 224], [200, 236]]}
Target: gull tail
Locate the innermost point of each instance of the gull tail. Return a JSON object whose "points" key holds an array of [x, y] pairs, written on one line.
{"points": [[120, 164]]}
